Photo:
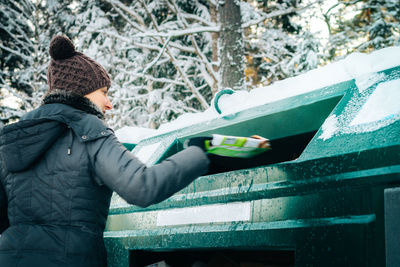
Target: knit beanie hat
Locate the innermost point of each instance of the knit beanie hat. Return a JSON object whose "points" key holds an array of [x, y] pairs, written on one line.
{"points": [[72, 71]]}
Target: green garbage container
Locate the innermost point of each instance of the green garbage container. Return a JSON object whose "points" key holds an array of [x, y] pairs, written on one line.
{"points": [[315, 199]]}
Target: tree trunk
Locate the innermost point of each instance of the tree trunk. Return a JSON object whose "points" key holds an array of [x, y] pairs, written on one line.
{"points": [[214, 37], [231, 45], [214, 43]]}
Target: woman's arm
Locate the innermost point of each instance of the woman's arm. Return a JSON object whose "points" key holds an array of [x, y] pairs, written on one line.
{"points": [[134, 181]]}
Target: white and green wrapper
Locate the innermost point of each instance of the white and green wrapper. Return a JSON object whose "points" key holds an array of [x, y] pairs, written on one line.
{"points": [[234, 146]]}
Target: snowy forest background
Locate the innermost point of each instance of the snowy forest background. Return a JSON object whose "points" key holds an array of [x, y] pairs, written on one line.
{"points": [[170, 57]]}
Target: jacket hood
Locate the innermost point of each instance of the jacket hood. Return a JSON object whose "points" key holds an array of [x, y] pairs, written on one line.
{"points": [[24, 142]]}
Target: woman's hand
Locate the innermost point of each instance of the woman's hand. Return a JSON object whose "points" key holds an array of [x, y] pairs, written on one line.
{"points": [[264, 144]]}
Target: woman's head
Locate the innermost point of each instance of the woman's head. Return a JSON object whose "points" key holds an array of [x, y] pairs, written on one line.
{"points": [[100, 99], [73, 71]]}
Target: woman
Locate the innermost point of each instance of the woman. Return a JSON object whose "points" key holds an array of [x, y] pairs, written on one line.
{"points": [[60, 164]]}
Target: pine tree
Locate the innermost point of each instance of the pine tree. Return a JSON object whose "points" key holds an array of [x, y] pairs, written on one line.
{"points": [[26, 28], [277, 47], [16, 48], [375, 25]]}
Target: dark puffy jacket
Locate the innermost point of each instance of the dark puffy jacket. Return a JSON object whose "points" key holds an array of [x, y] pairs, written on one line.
{"points": [[59, 166]]}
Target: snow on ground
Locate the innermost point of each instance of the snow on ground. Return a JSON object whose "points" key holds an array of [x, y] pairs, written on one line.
{"points": [[358, 66]]}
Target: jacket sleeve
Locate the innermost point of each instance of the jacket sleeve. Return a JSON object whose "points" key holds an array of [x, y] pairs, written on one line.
{"points": [[138, 184], [3, 210]]}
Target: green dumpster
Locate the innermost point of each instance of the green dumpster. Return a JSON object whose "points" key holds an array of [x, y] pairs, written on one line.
{"points": [[321, 197]]}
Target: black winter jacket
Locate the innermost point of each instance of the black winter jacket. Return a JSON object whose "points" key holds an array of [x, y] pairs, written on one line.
{"points": [[58, 168]]}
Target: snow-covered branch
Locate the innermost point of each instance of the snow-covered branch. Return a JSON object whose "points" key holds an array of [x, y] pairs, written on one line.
{"points": [[119, 6], [188, 83], [178, 33], [19, 54], [157, 57], [202, 57], [129, 11], [160, 80], [15, 93], [278, 13], [198, 19]]}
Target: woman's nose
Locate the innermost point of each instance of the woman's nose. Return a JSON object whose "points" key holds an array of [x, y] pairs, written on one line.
{"points": [[108, 104]]}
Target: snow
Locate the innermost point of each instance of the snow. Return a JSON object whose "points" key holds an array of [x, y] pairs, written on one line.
{"points": [[229, 103], [366, 80], [361, 67], [379, 106], [329, 127], [133, 135], [146, 152], [370, 112]]}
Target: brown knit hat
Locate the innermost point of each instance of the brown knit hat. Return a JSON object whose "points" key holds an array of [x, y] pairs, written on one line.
{"points": [[72, 71]]}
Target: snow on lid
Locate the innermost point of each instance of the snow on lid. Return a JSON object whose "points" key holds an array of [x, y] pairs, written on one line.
{"points": [[383, 104], [366, 80], [362, 67], [379, 109], [133, 135], [146, 152], [329, 127]]}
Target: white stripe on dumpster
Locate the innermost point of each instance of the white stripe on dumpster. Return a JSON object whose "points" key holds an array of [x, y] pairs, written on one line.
{"points": [[205, 214]]}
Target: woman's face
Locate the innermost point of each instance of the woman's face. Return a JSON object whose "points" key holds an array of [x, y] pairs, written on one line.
{"points": [[100, 99]]}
